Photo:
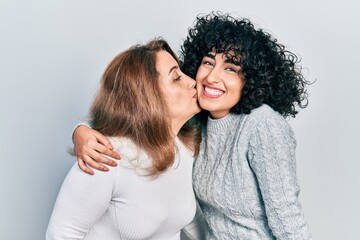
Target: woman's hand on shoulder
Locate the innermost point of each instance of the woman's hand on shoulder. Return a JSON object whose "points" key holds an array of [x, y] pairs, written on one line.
{"points": [[89, 145]]}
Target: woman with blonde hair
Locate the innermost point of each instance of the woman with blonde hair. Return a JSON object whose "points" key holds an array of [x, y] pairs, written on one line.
{"points": [[142, 106]]}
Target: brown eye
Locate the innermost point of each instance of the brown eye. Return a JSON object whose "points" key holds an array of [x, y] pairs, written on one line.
{"points": [[207, 63], [231, 69]]}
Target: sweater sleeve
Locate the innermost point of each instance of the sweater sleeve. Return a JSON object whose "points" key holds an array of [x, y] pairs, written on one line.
{"points": [[272, 158], [86, 124], [198, 227], [81, 202]]}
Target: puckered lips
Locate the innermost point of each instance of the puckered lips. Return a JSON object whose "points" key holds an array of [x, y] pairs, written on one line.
{"points": [[212, 92]]}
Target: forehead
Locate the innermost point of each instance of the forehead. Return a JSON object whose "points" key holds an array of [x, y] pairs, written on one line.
{"points": [[164, 61], [229, 56]]}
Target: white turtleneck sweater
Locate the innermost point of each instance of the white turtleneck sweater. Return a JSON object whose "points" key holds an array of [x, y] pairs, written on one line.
{"points": [[124, 204]]}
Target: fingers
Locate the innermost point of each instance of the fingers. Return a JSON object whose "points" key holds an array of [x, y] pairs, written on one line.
{"points": [[106, 151], [90, 147], [90, 162], [95, 151], [85, 161], [101, 159], [83, 166], [103, 140]]}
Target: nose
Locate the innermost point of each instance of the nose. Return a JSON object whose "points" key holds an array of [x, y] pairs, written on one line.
{"points": [[213, 76], [191, 82]]}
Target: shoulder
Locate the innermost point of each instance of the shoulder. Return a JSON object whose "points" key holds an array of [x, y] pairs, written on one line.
{"points": [[264, 112], [264, 119], [271, 136], [123, 144], [132, 156], [183, 150]]}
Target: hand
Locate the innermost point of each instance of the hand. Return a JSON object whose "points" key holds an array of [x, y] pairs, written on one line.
{"points": [[89, 145]]}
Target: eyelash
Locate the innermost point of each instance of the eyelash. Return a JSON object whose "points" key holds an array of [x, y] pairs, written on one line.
{"points": [[178, 78], [231, 69], [205, 62], [208, 63]]}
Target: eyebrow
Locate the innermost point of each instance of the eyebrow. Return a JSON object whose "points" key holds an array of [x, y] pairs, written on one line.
{"points": [[209, 55], [173, 68], [227, 60], [232, 61]]}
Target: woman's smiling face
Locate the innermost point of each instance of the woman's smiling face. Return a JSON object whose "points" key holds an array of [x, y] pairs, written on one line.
{"points": [[219, 82]]}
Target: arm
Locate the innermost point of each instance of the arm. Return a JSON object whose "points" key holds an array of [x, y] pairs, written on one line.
{"points": [[89, 145], [198, 227], [272, 158], [78, 207]]}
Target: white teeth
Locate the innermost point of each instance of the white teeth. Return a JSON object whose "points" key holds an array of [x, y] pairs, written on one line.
{"points": [[212, 91]]}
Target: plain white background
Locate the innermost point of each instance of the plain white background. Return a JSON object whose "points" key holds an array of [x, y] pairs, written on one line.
{"points": [[52, 54]]}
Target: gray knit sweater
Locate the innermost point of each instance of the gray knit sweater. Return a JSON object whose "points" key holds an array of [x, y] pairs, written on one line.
{"points": [[245, 178]]}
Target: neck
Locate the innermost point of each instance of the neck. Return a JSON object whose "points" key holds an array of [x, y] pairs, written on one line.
{"points": [[176, 125], [175, 129], [219, 114]]}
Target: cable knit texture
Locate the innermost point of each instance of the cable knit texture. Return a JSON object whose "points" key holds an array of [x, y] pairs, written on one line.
{"points": [[245, 178]]}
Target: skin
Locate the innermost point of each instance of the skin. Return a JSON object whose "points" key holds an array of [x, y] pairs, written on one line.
{"points": [[219, 82], [181, 98], [179, 90]]}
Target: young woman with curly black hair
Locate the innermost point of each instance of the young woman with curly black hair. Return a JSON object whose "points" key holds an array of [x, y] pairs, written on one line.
{"points": [[245, 174]]}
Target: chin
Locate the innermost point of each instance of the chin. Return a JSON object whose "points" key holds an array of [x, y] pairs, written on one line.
{"points": [[206, 107]]}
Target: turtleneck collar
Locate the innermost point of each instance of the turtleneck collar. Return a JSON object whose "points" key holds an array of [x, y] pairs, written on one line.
{"points": [[221, 124]]}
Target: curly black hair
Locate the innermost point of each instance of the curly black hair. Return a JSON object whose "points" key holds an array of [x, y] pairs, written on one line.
{"points": [[272, 75]]}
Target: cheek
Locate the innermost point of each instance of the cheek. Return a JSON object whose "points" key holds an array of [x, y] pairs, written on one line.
{"points": [[236, 89], [198, 86], [201, 73], [168, 95], [176, 96], [199, 78]]}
